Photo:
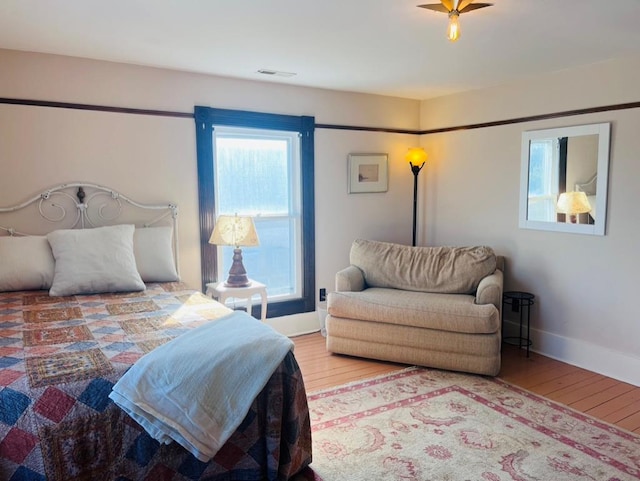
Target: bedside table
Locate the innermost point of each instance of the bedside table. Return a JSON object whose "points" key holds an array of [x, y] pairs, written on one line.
{"points": [[221, 292]]}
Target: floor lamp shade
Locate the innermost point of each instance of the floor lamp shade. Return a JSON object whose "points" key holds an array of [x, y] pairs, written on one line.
{"points": [[416, 155], [236, 231]]}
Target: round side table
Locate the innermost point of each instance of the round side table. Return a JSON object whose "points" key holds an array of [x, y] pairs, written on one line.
{"points": [[520, 302]]}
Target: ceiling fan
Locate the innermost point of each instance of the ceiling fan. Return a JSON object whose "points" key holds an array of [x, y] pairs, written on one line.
{"points": [[454, 8]]}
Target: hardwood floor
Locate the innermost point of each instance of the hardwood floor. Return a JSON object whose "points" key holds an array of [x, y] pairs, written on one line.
{"points": [[599, 396]]}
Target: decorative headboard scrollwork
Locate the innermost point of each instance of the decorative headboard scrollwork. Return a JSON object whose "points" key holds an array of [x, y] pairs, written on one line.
{"points": [[80, 205]]}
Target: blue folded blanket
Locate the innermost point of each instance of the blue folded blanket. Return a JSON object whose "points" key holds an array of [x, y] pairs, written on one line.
{"points": [[197, 388]]}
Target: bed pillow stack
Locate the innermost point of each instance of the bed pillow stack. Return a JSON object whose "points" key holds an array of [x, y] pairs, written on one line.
{"points": [[116, 258]]}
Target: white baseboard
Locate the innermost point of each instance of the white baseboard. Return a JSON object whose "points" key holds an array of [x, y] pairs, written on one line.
{"points": [[610, 363], [296, 324]]}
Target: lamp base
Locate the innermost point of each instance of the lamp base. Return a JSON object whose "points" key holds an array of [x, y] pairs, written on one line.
{"points": [[237, 273]]}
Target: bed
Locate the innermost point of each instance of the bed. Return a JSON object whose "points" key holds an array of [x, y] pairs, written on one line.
{"points": [[61, 355]]}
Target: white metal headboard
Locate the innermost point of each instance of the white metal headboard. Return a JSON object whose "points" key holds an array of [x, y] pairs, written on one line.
{"points": [[80, 205], [588, 187]]}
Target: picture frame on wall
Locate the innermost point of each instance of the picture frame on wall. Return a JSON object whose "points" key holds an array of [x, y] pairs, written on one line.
{"points": [[368, 173]]}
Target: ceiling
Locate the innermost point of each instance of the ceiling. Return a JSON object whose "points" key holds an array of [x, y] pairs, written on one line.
{"points": [[386, 47]]}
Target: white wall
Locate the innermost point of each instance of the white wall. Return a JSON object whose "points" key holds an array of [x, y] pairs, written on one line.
{"points": [[153, 159], [585, 286]]}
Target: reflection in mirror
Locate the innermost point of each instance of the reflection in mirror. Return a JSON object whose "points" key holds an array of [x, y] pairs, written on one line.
{"points": [[563, 182]]}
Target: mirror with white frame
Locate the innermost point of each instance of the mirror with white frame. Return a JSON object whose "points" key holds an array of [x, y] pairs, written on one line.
{"points": [[563, 179]]}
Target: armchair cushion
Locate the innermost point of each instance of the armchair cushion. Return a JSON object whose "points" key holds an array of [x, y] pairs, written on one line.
{"points": [[448, 270], [443, 312]]}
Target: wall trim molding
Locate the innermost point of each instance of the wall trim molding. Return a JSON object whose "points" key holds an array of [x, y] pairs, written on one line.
{"points": [[97, 108], [532, 118], [367, 129], [189, 115]]}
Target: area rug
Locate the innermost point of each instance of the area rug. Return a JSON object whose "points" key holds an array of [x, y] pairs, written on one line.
{"points": [[423, 424]]}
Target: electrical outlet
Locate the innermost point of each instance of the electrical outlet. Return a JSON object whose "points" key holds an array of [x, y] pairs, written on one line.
{"points": [[323, 294]]}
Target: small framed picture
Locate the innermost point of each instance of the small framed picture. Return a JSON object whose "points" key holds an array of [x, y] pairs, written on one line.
{"points": [[367, 173]]}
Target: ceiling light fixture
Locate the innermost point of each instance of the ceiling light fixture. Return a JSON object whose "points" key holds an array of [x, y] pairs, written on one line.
{"points": [[454, 8]]}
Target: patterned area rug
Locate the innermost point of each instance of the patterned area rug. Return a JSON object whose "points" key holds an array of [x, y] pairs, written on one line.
{"points": [[421, 424]]}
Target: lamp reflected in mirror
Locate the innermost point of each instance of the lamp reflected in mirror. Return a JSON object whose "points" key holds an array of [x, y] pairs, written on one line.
{"points": [[572, 204]]}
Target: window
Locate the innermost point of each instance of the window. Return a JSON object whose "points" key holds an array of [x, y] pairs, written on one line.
{"points": [[543, 180], [260, 165], [257, 173]]}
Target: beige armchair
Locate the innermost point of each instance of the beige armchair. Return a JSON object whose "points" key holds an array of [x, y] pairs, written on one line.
{"points": [[431, 306]]}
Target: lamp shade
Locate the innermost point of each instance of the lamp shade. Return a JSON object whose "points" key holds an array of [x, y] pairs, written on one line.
{"points": [[234, 230], [573, 203], [416, 155]]}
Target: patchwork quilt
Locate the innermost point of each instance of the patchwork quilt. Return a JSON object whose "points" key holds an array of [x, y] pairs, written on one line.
{"points": [[60, 357]]}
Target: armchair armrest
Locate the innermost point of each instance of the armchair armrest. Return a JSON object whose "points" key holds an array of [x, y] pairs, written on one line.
{"points": [[490, 290], [350, 279]]}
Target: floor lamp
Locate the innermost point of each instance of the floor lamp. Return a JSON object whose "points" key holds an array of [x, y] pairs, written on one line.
{"points": [[416, 156]]}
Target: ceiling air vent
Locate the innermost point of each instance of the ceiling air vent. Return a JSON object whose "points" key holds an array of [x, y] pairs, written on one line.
{"points": [[277, 73]]}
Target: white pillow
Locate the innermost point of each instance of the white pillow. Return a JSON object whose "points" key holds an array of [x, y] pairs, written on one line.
{"points": [[154, 254], [90, 261], [26, 263]]}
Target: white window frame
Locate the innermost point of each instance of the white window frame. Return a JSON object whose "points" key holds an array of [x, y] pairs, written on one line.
{"points": [[295, 203]]}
